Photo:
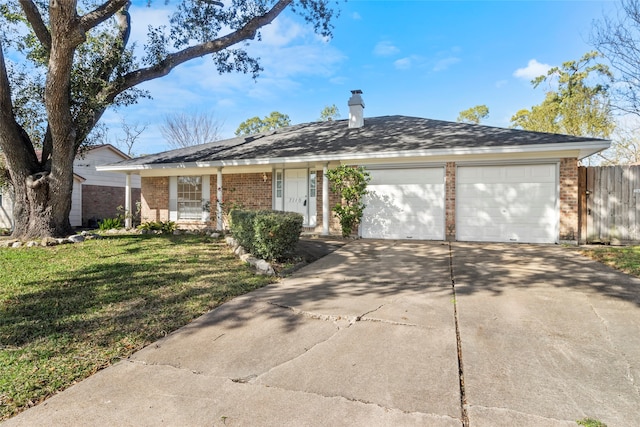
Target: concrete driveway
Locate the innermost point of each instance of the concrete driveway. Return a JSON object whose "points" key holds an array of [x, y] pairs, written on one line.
{"points": [[387, 333]]}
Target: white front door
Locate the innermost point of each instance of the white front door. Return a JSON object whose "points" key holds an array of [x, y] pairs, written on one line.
{"points": [[296, 189]]}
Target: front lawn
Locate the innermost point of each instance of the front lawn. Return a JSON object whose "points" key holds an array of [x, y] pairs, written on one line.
{"points": [[68, 311], [626, 259]]}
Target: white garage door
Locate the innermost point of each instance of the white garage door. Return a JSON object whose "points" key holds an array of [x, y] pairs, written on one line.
{"points": [[507, 203], [405, 204]]}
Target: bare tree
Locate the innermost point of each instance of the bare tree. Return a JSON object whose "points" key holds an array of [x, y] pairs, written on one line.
{"points": [[618, 39], [132, 132], [182, 130]]}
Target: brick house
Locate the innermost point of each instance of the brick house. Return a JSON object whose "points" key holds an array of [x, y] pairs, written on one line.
{"points": [[431, 179]]}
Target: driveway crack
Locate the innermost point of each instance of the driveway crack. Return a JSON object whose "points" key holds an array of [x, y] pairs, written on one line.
{"points": [[463, 397]]}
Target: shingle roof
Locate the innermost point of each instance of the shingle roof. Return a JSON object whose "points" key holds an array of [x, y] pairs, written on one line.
{"points": [[379, 135]]}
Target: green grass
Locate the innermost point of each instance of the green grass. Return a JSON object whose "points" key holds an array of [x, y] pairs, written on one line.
{"points": [[590, 422], [626, 259], [68, 311]]}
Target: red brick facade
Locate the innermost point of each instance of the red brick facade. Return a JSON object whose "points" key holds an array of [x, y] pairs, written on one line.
{"points": [[253, 192], [155, 199], [569, 199], [100, 202]]}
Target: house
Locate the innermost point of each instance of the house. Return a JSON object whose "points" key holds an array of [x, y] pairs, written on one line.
{"points": [[431, 179], [95, 196]]}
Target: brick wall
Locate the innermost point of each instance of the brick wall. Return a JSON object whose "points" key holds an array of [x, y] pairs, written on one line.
{"points": [[100, 202], [568, 199], [155, 199], [450, 201], [246, 190]]}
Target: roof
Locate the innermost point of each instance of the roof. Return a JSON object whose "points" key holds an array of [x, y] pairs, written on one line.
{"points": [[379, 136]]}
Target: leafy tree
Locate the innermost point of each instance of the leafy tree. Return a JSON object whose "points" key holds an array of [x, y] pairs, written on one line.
{"points": [[255, 124], [351, 184], [474, 115], [71, 60], [182, 130], [329, 113], [579, 106]]}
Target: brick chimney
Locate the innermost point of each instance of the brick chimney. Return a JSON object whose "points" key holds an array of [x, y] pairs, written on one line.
{"points": [[356, 110]]}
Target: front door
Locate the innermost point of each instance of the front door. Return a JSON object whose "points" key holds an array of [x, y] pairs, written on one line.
{"points": [[295, 192]]}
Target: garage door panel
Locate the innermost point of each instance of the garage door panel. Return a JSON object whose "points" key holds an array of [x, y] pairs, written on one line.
{"points": [[405, 203], [507, 203]]}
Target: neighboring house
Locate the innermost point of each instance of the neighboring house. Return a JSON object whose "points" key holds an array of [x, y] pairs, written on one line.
{"points": [[431, 179], [96, 195], [101, 193], [6, 208]]}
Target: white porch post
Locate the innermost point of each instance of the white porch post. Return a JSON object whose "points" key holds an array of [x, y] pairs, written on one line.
{"points": [[127, 201], [325, 200], [219, 224]]}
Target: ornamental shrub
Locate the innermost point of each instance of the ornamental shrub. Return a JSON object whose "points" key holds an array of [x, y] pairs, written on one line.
{"points": [[242, 228], [276, 234], [267, 234]]}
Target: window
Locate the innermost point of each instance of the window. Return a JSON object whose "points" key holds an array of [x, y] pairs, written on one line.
{"points": [[279, 184], [190, 197], [312, 184]]}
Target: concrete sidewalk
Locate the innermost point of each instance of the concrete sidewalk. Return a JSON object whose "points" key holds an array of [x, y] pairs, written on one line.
{"points": [[367, 336]]}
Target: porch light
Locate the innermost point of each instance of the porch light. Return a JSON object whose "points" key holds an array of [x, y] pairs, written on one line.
{"points": [[264, 176]]}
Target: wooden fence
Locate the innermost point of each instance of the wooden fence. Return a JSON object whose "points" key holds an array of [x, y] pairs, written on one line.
{"points": [[609, 204]]}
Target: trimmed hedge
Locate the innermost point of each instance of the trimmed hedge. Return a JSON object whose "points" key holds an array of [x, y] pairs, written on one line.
{"points": [[270, 235]]}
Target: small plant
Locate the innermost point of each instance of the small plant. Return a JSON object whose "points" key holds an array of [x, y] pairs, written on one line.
{"points": [[351, 184], [590, 422], [134, 216], [164, 227], [110, 223]]}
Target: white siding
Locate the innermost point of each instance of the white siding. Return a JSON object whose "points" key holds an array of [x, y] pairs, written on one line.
{"points": [[6, 209], [75, 216], [86, 168]]}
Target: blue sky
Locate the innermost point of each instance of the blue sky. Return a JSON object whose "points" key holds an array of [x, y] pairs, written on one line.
{"points": [[428, 59]]}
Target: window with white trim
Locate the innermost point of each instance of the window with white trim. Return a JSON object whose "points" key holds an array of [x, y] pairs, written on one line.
{"points": [[189, 197], [279, 184], [312, 184]]}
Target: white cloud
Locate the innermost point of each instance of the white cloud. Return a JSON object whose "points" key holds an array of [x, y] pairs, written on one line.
{"points": [[532, 70], [385, 48], [356, 16], [445, 63], [501, 83], [403, 63]]}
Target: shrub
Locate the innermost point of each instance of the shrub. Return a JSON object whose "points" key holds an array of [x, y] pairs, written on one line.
{"points": [[266, 234], [110, 223], [164, 227], [242, 228], [276, 234]]}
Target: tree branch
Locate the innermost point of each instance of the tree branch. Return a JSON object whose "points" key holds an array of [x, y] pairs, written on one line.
{"points": [[102, 13], [14, 141], [35, 19], [164, 67]]}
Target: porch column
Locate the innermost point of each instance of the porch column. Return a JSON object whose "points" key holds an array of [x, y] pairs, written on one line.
{"points": [[219, 224], [325, 200], [127, 201]]}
